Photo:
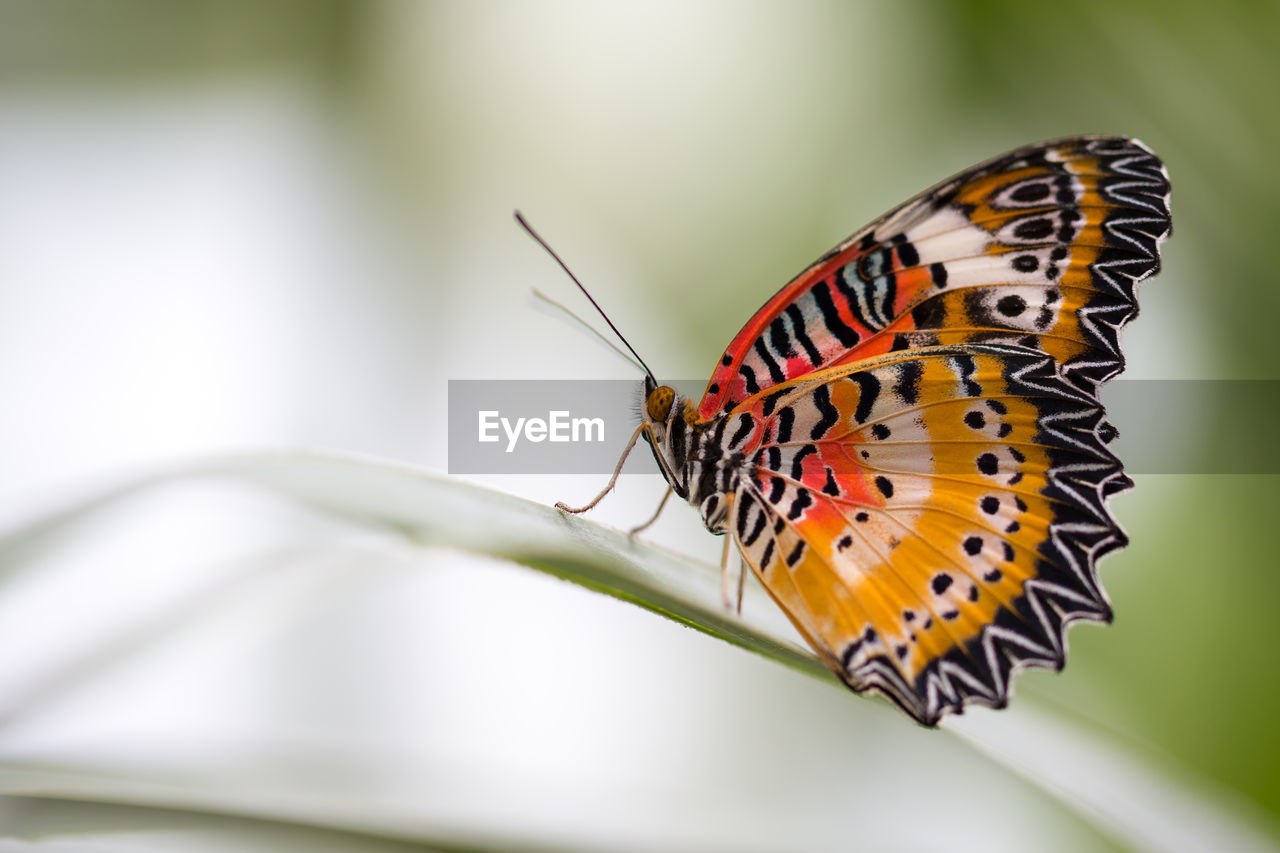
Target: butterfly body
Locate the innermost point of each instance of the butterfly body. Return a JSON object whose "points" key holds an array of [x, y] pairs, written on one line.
{"points": [[905, 443]]}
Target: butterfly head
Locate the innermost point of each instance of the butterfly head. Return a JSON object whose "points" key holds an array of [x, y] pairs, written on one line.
{"points": [[669, 420]]}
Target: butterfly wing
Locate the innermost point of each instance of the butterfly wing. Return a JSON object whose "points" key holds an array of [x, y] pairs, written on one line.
{"points": [[1042, 247], [930, 520]]}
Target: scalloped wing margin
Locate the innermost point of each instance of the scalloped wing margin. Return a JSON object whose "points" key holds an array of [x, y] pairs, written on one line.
{"points": [[1066, 589], [1030, 630]]}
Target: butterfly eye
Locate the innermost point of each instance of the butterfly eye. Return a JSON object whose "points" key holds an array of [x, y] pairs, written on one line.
{"points": [[659, 403]]}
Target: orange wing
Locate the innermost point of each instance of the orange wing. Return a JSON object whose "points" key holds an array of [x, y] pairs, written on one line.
{"points": [[1041, 247], [930, 520]]}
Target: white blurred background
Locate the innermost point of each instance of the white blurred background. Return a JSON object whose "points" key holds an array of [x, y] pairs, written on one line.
{"points": [[233, 226]]}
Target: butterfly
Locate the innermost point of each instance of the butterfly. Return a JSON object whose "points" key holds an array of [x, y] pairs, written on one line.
{"points": [[906, 443]]}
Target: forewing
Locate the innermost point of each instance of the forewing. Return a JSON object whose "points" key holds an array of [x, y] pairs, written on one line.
{"points": [[931, 520], [1041, 247]]}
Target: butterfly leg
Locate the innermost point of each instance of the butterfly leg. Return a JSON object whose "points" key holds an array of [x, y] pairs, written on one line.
{"points": [[742, 582], [635, 436], [633, 531], [731, 579]]}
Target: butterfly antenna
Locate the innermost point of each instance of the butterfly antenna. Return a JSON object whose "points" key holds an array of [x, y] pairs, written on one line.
{"points": [[520, 220], [551, 303]]}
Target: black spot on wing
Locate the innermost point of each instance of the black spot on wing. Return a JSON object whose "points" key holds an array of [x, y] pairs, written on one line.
{"points": [[743, 430], [797, 461], [967, 367], [908, 255], [803, 501], [831, 317], [885, 486], [829, 413], [744, 510], [1033, 229], [780, 339], [777, 488], [773, 457], [757, 527], [1030, 191], [802, 334], [908, 385], [775, 372], [1011, 305], [770, 402], [786, 420], [939, 273], [868, 391], [717, 434], [831, 487]]}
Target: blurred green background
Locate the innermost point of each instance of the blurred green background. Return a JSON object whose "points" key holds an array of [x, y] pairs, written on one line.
{"points": [[234, 224]]}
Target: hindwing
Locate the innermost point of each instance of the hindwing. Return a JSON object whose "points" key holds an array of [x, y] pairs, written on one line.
{"points": [[930, 520]]}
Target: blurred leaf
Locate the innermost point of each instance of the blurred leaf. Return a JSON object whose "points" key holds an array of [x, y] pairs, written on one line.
{"points": [[434, 510], [56, 824], [1121, 795]]}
